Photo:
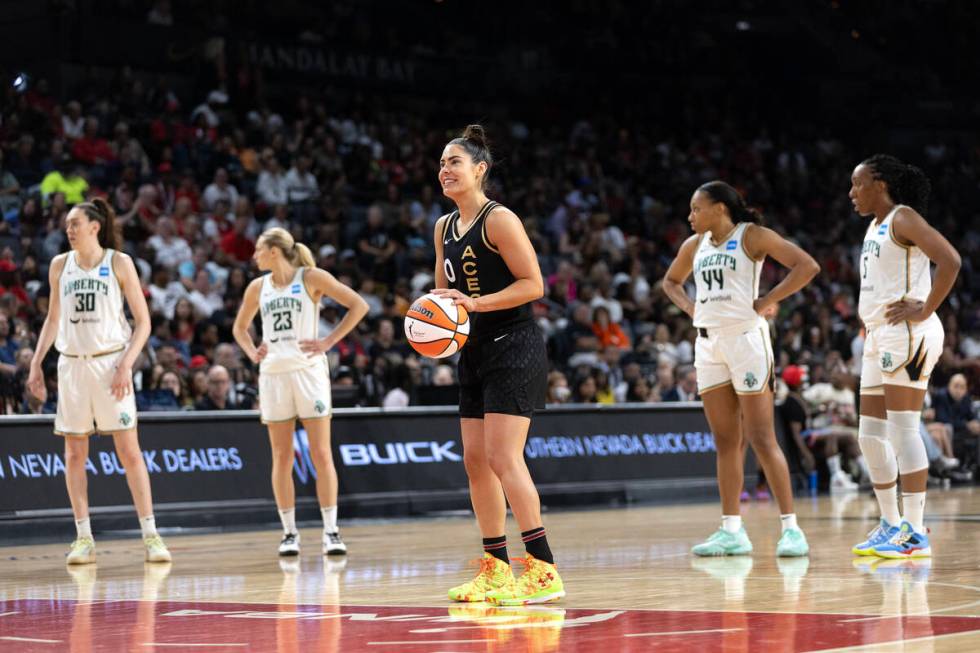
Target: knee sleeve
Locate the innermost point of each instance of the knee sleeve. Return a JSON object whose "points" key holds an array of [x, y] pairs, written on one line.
{"points": [[877, 450], [903, 433]]}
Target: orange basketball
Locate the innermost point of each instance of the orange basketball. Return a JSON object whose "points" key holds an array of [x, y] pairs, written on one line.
{"points": [[436, 327]]}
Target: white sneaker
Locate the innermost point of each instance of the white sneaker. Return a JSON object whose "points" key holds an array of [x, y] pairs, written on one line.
{"points": [[156, 550], [842, 482], [289, 546], [333, 545], [82, 552]]}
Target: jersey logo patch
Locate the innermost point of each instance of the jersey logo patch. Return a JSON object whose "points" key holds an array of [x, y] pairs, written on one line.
{"points": [[914, 367], [104, 271], [883, 229], [296, 289], [731, 244]]}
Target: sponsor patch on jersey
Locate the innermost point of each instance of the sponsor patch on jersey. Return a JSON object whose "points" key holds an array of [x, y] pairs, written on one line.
{"points": [[883, 229], [104, 271], [297, 289], [731, 244]]}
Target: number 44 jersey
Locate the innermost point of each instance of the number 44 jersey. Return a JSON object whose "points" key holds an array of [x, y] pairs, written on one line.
{"points": [[727, 280], [91, 301], [289, 315]]}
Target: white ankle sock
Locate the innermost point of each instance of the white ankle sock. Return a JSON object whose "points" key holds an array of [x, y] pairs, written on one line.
{"points": [[888, 502], [288, 518], [833, 464], [731, 523], [913, 507], [329, 518], [788, 521], [84, 527], [149, 526]]}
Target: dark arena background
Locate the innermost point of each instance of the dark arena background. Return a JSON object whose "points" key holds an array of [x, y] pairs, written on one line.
{"points": [[205, 123]]}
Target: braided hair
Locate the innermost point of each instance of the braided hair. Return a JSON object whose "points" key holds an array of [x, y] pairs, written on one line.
{"points": [[906, 183]]}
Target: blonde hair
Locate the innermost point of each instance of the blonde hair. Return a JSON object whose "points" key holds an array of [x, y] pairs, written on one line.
{"points": [[298, 254]]}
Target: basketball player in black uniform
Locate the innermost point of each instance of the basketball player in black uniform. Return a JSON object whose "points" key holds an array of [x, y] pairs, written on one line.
{"points": [[486, 263]]}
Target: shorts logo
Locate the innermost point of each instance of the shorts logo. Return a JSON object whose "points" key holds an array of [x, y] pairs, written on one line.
{"points": [[731, 244], [125, 419], [886, 360], [750, 380], [104, 271], [319, 406]]}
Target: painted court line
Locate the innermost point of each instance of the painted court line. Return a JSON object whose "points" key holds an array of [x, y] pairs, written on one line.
{"points": [[183, 644], [684, 632], [11, 638], [433, 641]]}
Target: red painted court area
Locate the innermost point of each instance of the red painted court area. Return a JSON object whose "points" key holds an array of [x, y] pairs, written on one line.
{"points": [[43, 625]]}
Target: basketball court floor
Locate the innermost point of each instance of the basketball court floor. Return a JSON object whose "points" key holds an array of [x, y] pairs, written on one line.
{"points": [[632, 585]]}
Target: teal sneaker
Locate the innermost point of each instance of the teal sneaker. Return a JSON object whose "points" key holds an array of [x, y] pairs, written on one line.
{"points": [[723, 543], [792, 544], [880, 534]]}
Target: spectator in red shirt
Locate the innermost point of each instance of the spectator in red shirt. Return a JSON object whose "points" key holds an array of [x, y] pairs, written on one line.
{"points": [[236, 243], [90, 148]]}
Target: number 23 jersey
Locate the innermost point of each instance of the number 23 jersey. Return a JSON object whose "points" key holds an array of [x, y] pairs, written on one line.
{"points": [[727, 280], [289, 315]]}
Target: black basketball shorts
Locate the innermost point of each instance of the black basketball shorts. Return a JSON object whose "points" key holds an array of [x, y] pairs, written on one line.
{"points": [[505, 373]]}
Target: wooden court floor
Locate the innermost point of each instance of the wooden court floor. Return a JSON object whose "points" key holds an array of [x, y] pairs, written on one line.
{"points": [[632, 586]]}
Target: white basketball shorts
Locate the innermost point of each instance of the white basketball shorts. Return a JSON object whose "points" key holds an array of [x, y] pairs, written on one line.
{"points": [[302, 393]]}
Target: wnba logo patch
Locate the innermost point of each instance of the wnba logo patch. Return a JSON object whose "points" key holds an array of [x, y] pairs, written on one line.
{"points": [[731, 244], [296, 289], [104, 271], [883, 229]]}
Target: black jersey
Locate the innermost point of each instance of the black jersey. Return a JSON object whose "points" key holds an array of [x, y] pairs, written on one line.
{"points": [[474, 266]]}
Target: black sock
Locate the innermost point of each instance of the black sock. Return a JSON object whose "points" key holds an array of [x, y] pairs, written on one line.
{"points": [[536, 544], [497, 547]]}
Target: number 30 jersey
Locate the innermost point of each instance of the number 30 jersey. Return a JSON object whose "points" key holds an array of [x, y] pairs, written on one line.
{"points": [[727, 281], [92, 319], [289, 315]]}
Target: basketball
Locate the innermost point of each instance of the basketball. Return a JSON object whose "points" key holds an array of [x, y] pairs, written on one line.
{"points": [[435, 327]]}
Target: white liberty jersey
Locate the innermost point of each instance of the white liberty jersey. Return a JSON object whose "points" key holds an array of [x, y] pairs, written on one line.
{"points": [[889, 271], [288, 316], [92, 318], [727, 281]]}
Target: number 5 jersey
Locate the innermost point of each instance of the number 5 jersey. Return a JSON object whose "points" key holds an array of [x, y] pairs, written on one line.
{"points": [[92, 317]]}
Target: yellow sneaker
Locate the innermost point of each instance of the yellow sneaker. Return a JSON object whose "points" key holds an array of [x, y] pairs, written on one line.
{"points": [[156, 550], [540, 583], [82, 552], [494, 574]]}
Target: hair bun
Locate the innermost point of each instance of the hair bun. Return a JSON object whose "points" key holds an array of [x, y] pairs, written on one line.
{"points": [[477, 134]]}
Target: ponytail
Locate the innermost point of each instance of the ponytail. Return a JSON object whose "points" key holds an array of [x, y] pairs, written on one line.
{"points": [[724, 193], [906, 183], [302, 257], [99, 210], [298, 254]]}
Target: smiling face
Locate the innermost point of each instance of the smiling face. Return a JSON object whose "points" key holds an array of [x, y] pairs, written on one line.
{"points": [[458, 175], [704, 212], [866, 191]]}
